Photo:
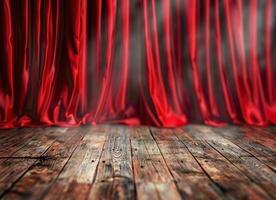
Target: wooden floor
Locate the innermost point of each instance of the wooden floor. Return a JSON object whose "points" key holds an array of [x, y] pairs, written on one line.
{"points": [[117, 162]]}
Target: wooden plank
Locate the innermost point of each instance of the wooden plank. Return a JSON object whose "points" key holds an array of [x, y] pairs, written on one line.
{"points": [[65, 144], [152, 177], [248, 165], [44, 161], [26, 144], [16, 142], [78, 174], [37, 180], [6, 134], [229, 148], [191, 180], [45, 170], [257, 144], [220, 170], [11, 170], [269, 132], [114, 178], [30, 142], [251, 134], [196, 162], [34, 147]]}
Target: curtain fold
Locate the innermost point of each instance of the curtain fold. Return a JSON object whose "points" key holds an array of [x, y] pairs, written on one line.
{"points": [[153, 62]]}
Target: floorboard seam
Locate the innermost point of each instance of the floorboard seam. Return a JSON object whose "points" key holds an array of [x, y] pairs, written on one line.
{"points": [[18, 179], [96, 171], [69, 157], [252, 180], [218, 188], [235, 143], [175, 182], [133, 174]]}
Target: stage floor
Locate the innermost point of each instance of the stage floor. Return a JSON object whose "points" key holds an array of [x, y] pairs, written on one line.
{"points": [[118, 162]]}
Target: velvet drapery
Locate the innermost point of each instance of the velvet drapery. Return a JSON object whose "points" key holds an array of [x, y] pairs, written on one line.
{"points": [[152, 62]]}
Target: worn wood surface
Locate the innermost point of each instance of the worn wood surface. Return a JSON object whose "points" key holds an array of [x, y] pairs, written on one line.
{"points": [[118, 162]]}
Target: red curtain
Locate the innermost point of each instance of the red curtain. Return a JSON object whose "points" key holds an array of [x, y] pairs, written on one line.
{"points": [[152, 62]]}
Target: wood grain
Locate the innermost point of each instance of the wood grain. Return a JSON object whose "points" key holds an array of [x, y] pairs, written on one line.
{"points": [[119, 162], [152, 176], [114, 178]]}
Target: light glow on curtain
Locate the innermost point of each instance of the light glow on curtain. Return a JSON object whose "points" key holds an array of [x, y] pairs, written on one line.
{"points": [[153, 62]]}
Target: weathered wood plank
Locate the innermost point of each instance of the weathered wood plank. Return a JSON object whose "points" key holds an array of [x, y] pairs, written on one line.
{"points": [[26, 144], [266, 135], [152, 176], [221, 170], [16, 142], [197, 162], [247, 164], [258, 144], [78, 174], [44, 171], [251, 134], [7, 134], [37, 180], [114, 178], [11, 170], [32, 145], [65, 144], [191, 180], [31, 142]]}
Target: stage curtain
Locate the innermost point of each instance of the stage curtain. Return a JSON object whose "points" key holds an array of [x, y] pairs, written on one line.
{"points": [[153, 62]]}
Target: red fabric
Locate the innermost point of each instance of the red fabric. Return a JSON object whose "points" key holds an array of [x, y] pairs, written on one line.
{"points": [[163, 63]]}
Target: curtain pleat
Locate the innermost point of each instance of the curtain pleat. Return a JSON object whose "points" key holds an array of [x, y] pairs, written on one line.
{"points": [[153, 62]]}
